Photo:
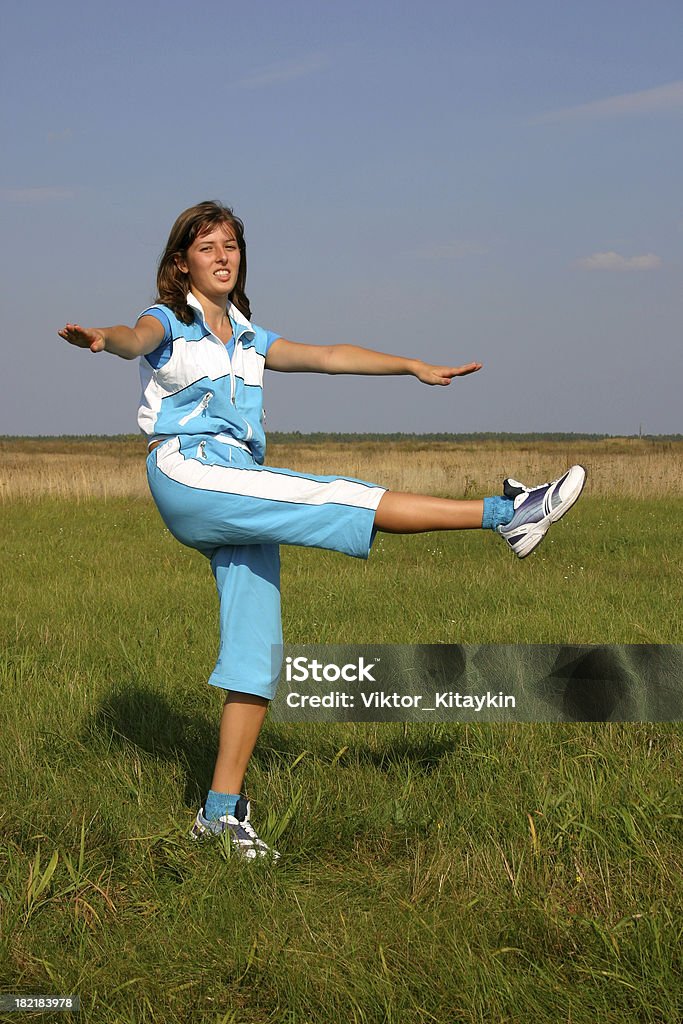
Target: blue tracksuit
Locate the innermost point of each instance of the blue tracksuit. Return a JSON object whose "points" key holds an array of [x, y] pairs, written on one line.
{"points": [[205, 400]]}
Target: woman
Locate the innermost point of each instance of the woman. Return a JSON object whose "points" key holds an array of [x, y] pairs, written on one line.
{"points": [[201, 367]]}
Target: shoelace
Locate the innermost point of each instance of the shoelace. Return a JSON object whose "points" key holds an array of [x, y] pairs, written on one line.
{"points": [[529, 490], [248, 828]]}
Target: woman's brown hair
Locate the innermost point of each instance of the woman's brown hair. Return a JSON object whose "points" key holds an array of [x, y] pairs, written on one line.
{"points": [[172, 284]]}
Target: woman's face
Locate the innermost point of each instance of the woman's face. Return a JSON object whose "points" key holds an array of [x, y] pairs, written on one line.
{"points": [[212, 262]]}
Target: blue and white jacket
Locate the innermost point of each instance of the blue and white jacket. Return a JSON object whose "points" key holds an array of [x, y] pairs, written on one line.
{"points": [[195, 384]]}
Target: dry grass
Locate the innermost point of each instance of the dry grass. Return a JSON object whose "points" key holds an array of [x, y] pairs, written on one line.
{"points": [[85, 468], [632, 468]]}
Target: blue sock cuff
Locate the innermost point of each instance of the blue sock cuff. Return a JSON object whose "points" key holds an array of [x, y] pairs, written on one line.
{"points": [[218, 804], [498, 511]]}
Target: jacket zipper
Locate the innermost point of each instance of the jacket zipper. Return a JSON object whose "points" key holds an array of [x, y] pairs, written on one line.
{"points": [[199, 409], [237, 342]]}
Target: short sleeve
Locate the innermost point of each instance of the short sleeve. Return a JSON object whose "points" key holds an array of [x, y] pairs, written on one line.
{"points": [[271, 336], [162, 353]]}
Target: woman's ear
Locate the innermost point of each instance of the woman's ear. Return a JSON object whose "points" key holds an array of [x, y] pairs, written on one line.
{"points": [[180, 263]]}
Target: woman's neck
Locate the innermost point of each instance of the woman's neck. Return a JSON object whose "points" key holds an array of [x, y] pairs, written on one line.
{"points": [[215, 315]]}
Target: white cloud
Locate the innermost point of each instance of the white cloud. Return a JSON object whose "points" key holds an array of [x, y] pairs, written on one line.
{"points": [[286, 72], [614, 261], [649, 101], [42, 194]]}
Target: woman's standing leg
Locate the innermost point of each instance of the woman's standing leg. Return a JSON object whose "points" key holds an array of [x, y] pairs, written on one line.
{"points": [[243, 715], [248, 666]]}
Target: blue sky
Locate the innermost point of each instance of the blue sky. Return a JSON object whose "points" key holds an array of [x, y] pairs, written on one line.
{"points": [[490, 181]]}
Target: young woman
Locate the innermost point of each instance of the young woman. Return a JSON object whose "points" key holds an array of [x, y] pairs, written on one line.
{"points": [[201, 367]]}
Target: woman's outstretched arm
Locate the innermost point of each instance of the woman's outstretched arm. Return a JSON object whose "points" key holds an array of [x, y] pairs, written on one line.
{"points": [[292, 356], [126, 342]]}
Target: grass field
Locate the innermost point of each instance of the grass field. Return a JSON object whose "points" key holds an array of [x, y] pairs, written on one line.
{"points": [[442, 873]]}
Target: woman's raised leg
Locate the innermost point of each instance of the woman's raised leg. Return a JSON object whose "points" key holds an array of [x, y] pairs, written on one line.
{"points": [[401, 512]]}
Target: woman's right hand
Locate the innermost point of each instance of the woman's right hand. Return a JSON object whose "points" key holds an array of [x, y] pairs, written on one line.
{"points": [[83, 337]]}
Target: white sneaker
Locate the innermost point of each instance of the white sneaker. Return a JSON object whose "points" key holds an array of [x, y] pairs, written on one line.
{"points": [[536, 508], [243, 837]]}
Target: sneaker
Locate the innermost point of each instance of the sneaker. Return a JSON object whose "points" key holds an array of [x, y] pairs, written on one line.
{"points": [[536, 508], [243, 837]]}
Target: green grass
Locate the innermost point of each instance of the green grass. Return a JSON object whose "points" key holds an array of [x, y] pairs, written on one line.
{"points": [[436, 873]]}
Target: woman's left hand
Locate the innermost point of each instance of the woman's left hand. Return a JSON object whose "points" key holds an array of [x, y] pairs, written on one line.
{"points": [[443, 375]]}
